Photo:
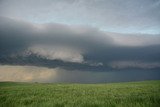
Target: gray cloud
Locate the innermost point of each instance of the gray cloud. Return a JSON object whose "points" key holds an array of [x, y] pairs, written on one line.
{"points": [[135, 39], [66, 54], [48, 41], [73, 47], [134, 64], [79, 40]]}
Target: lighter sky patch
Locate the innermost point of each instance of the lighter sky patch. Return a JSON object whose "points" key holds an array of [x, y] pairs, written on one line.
{"points": [[122, 16], [134, 39]]}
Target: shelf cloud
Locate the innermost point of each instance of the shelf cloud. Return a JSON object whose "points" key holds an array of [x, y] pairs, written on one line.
{"points": [[94, 37], [85, 46]]}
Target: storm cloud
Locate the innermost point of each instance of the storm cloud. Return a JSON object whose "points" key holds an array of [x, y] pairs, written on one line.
{"points": [[79, 45], [79, 40]]}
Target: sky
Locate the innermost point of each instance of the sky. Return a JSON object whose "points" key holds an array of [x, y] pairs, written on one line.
{"points": [[79, 41]]}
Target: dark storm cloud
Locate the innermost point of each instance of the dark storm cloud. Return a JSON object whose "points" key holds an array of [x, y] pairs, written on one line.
{"points": [[87, 41], [50, 34], [72, 47], [49, 41]]}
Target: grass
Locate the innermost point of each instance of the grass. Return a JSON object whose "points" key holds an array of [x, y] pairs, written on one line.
{"points": [[131, 94]]}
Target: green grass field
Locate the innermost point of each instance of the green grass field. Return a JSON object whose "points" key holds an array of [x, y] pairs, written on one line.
{"points": [[131, 94]]}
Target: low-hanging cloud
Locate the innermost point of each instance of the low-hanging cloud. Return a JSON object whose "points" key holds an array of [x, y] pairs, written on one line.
{"points": [[66, 54], [134, 64], [52, 41], [79, 40], [72, 47]]}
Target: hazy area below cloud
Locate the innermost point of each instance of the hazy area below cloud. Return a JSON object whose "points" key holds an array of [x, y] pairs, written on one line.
{"points": [[42, 74], [26, 73]]}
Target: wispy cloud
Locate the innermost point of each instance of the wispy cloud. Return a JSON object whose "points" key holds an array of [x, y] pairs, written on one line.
{"points": [[122, 16]]}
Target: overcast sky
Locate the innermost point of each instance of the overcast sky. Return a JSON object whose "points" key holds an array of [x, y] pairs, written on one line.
{"points": [[87, 41]]}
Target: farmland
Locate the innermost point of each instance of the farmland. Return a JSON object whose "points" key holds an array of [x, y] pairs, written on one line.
{"points": [[126, 94]]}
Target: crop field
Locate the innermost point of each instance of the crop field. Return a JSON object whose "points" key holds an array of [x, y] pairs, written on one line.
{"points": [[127, 94]]}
